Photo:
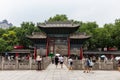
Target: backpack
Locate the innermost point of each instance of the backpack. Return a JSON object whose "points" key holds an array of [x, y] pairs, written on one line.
{"points": [[71, 63], [88, 63], [91, 63]]}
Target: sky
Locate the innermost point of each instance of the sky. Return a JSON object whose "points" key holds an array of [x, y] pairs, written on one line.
{"points": [[101, 11]]}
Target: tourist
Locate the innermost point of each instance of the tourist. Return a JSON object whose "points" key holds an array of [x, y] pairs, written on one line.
{"points": [[119, 65], [91, 65], [105, 59], [9, 58], [70, 62], [52, 60], [94, 59], [56, 61], [86, 65], [61, 61], [39, 59]]}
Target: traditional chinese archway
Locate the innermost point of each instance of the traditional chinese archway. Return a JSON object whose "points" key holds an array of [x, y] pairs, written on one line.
{"points": [[58, 36]]}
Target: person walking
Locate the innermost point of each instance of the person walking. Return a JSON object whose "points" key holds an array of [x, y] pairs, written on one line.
{"points": [[119, 65], [61, 60], [56, 61], [52, 58], [86, 65], [91, 65], [39, 59], [70, 62]]}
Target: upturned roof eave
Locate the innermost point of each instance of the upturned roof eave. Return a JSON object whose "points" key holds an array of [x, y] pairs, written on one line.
{"points": [[44, 26], [36, 37], [87, 37]]}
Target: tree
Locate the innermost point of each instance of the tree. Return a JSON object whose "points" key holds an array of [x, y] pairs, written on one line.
{"points": [[102, 37], [21, 32], [116, 33], [10, 39], [3, 45], [27, 28], [110, 33], [2, 31], [89, 29], [58, 17]]}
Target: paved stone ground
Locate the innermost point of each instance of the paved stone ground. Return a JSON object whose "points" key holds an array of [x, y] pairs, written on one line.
{"points": [[53, 73]]}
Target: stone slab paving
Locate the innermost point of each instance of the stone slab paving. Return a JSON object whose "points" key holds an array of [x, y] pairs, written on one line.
{"points": [[53, 73]]}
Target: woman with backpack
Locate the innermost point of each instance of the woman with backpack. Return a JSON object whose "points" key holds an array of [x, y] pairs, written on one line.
{"points": [[86, 65], [90, 65]]}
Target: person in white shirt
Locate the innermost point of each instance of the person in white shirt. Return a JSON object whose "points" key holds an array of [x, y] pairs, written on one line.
{"points": [[39, 59], [61, 60], [70, 62], [91, 65]]}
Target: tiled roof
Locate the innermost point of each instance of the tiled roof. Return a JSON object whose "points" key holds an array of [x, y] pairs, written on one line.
{"points": [[37, 35], [79, 36], [101, 52], [21, 51], [58, 24]]}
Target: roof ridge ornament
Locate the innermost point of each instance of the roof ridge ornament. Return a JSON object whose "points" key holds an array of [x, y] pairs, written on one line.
{"points": [[58, 24]]}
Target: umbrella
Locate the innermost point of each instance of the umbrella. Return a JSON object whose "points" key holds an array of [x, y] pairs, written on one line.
{"points": [[103, 56], [57, 54], [117, 58]]}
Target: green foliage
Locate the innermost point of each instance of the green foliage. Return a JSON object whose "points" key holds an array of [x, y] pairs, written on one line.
{"points": [[58, 17], [3, 45], [116, 33], [2, 31], [9, 48], [10, 37], [28, 27], [88, 27]]}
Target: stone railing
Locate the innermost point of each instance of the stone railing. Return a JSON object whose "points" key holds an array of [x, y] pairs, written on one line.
{"points": [[24, 65], [99, 65]]}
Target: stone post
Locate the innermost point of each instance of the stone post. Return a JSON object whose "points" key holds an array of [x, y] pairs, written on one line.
{"points": [[83, 61], [30, 62], [3, 60], [16, 62], [99, 63]]}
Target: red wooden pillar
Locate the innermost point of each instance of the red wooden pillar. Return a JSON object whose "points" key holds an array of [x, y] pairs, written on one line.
{"points": [[81, 53], [35, 53], [54, 47], [16, 54], [68, 47]]}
